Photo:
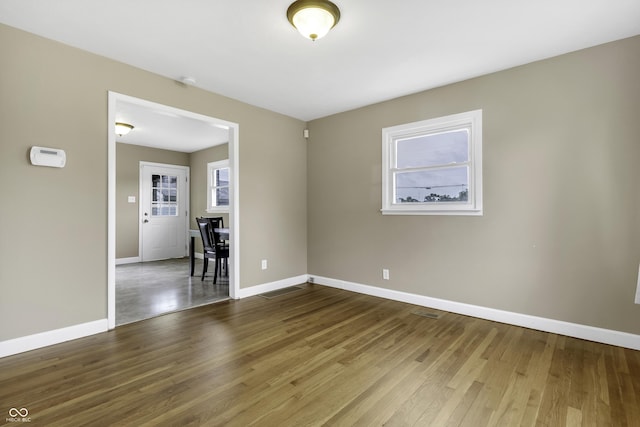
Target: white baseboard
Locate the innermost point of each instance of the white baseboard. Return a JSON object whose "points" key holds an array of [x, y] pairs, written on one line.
{"points": [[272, 286], [591, 333], [131, 260], [44, 339], [606, 336]]}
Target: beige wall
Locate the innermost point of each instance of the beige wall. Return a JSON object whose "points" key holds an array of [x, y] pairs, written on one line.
{"points": [[560, 235], [128, 158], [53, 250]]}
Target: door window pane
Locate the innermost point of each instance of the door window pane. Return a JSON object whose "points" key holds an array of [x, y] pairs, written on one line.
{"points": [[164, 195]]}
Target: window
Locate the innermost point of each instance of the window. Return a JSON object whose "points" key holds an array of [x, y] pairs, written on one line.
{"points": [[164, 195], [433, 167], [218, 186]]}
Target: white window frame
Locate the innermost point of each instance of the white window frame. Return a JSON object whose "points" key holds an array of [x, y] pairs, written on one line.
{"points": [[472, 121], [211, 168]]}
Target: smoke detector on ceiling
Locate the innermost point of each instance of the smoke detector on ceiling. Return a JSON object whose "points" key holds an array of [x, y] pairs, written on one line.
{"points": [[189, 81]]}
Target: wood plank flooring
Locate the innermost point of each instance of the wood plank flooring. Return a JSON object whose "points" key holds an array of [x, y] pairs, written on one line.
{"points": [[322, 356]]}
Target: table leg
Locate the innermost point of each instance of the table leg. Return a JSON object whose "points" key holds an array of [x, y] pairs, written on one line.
{"points": [[192, 255]]}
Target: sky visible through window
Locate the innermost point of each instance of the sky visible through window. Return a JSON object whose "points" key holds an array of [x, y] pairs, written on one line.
{"points": [[444, 174]]}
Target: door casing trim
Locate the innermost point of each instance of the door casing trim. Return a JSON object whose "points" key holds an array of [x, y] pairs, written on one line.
{"points": [[234, 192]]}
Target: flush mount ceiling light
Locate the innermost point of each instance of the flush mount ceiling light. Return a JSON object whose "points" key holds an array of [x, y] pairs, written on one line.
{"points": [[123, 128], [313, 18]]}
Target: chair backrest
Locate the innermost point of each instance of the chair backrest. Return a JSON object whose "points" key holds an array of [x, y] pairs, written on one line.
{"points": [[216, 222], [216, 239], [206, 232]]}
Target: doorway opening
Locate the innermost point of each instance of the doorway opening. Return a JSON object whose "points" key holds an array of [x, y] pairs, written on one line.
{"points": [[120, 104]]}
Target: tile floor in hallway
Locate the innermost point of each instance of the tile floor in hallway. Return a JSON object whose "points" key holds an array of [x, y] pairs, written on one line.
{"points": [[145, 290]]}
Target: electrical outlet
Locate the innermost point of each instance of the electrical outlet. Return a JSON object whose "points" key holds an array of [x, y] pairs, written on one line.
{"points": [[385, 273], [264, 264]]}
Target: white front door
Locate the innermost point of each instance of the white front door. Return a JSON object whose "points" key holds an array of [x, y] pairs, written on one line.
{"points": [[164, 213]]}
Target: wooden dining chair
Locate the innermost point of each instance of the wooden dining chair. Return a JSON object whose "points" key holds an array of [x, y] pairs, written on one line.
{"points": [[216, 222], [222, 247], [211, 247]]}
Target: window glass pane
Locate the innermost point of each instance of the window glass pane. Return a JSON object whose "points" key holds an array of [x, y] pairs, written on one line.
{"points": [[431, 186], [222, 196], [432, 150], [164, 195], [222, 176], [218, 185], [164, 209]]}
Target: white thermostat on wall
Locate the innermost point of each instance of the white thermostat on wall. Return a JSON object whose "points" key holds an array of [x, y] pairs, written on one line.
{"points": [[52, 157]]}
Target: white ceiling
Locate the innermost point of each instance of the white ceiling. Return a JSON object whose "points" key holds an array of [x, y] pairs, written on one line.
{"points": [[380, 49], [167, 128]]}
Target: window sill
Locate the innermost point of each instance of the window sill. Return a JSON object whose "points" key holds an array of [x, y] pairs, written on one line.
{"points": [[218, 210], [431, 212]]}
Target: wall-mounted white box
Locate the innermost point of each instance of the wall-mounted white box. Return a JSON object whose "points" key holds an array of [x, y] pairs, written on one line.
{"points": [[51, 157]]}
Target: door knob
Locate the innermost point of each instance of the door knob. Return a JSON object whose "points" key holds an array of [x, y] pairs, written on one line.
{"points": [[145, 221]]}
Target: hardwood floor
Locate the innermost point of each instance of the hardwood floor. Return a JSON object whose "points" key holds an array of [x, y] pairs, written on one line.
{"points": [[321, 356]]}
